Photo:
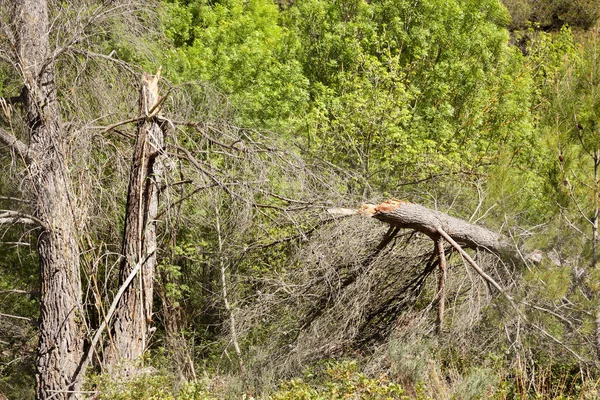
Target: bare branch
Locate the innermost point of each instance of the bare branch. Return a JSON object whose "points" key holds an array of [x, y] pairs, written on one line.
{"points": [[572, 225], [128, 67], [9, 198], [109, 128], [560, 343], [15, 144], [18, 291], [2, 315], [543, 309], [15, 217], [228, 306], [485, 276]]}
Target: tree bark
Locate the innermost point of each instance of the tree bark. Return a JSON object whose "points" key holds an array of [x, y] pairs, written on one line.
{"points": [[61, 335], [435, 224], [133, 315], [402, 214]]}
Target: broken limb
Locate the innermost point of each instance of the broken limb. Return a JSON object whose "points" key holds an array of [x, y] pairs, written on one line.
{"points": [[458, 233], [402, 214], [441, 297], [476, 267]]}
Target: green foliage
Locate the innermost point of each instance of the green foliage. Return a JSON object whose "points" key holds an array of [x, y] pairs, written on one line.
{"points": [[409, 363], [385, 89], [19, 286], [239, 47], [175, 287], [556, 282], [145, 386], [149, 385], [340, 381], [403, 92], [478, 383], [570, 101]]}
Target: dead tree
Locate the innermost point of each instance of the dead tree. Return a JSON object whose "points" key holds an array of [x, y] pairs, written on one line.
{"points": [[133, 314]]}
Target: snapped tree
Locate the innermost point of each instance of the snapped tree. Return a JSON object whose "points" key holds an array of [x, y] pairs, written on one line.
{"points": [[440, 227], [35, 135]]}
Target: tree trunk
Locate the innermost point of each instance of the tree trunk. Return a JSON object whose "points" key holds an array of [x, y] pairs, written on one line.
{"points": [[133, 315], [457, 232], [61, 336], [61, 321], [403, 214]]}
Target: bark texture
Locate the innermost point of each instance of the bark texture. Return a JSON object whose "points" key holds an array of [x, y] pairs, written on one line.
{"points": [[402, 214], [133, 315], [457, 232], [61, 335]]}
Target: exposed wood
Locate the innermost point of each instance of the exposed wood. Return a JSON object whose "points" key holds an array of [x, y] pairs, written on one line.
{"points": [[133, 315], [403, 214]]}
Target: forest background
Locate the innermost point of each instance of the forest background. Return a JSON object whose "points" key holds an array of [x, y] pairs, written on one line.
{"points": [[277, 116]]}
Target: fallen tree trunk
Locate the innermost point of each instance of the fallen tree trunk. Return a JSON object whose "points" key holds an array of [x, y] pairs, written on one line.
{"points": [[402, 214], [439, 226]]}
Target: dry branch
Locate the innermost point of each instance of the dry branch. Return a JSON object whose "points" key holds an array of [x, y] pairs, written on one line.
{"points": [[14, 144], [15, 217], [402, 214]]}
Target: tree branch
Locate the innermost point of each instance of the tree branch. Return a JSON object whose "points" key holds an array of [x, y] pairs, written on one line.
{"points": [[109, 128], [18, 291], [403, 214], [467, 257], [2, 315], [13, 99], [15, 217], [15, 144]]}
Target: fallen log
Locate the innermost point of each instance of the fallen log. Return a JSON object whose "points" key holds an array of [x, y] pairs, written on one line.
{"points": [[439, 226], [403, 214]]}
